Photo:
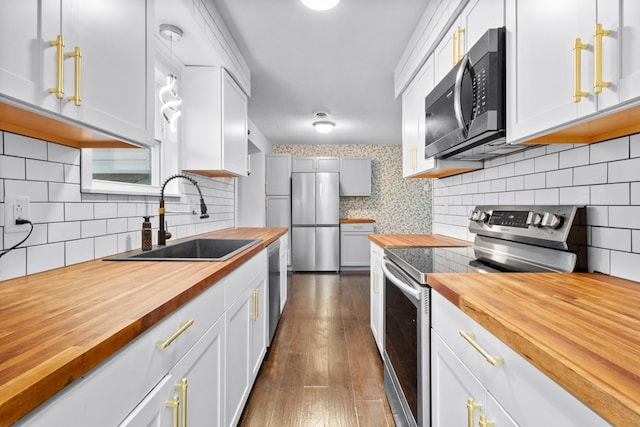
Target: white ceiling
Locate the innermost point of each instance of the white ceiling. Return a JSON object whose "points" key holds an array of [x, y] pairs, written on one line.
{"points": [[340, 61]]}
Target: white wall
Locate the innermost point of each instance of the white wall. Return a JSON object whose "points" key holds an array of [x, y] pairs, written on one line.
{"points": [[71, 227], [605, 177]]}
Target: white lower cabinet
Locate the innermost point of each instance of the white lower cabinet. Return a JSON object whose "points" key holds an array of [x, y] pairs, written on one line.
{"points": [[514, 392], [284, 261], [354, 245], [213, 344], [377, 296]]}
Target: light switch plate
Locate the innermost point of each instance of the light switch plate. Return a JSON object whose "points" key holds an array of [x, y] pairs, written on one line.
{"points": [[16, 207]]}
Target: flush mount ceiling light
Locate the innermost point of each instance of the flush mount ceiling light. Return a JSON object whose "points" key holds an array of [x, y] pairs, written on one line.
{"points": [[324, 126], [171, 32], [320, 4]]}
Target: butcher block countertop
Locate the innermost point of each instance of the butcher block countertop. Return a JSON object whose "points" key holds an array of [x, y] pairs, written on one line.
{"points": [[357, 221], [415, 240], [582, 330], [59, 324]]}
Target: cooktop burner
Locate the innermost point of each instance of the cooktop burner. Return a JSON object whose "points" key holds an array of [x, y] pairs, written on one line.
{"points": [[418, 262]]}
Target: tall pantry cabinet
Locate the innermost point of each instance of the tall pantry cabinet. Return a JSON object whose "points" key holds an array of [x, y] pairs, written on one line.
{"points": [[87, 61], [278, 193]]}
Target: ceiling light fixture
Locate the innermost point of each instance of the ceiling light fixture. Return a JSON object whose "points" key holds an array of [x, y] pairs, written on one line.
{"points": [[324, 126], [320, 4], [171, 32]]}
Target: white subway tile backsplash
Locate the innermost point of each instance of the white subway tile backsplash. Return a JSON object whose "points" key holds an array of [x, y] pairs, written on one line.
{"points": [[535, 152], [105, 210], [625, 170], [47, 212], [62, 192], [635, 193], [23, 146], [128, 241], [525, 167], [36, 191], [575, 157], [624, 216], [635, 241], [93, 228], [78, 211], [555, 148], [538, 180], [599, 260], [506, 170], [116, 225], [39, 170], [13, 264], [491, 173], [63, 154], [38, 236], [61, 231], [546, 163], [498, 185], [635, 145], [1, 188], [559, 178], [625, 265], [592, 174], [77, 251], [127, 209], [45, 257], [106, 245], [12, 167], [515, 183], [610, 194], [598, 215], [507, 198], [72, 174], [547, 197], [575, 195], [615, 149], [611, 238]]}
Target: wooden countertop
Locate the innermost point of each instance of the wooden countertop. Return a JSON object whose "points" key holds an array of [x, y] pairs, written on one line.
{"points": [[59, 324], [582, 330], [415, 240], [356, 220]]}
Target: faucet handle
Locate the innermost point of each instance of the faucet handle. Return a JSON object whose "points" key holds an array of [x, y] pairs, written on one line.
{"points": [[167, 234]]}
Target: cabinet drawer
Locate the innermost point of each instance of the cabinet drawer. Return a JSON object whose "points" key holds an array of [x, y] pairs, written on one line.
{"points": [[526, 393], [244, 276], [364, 227], [106, 394]]}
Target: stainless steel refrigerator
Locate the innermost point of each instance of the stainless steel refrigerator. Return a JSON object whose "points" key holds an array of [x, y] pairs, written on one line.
{"points": [[315, 222]]}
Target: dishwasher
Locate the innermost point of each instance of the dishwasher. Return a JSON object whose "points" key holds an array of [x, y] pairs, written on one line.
{"points": [[273, 252]]}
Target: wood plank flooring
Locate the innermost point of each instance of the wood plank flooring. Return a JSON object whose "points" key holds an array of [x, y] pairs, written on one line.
{"points": [[323, 368]]}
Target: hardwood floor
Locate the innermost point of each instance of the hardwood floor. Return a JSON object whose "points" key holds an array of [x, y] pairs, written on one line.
{"points": [[323, 368]]}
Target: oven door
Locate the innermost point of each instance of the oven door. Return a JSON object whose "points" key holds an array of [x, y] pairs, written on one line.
{"points": [[406, 347]]}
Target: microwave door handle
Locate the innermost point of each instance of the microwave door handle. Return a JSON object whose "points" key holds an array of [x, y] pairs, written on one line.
{"points": [[404, 287], [457, 94]]}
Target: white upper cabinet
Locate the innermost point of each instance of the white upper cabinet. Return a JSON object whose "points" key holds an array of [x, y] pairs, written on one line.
{"points": [[476, 18], [584, 61], [94, 56], [278, 175], [355, 176], [316, 164], [215, 141]]}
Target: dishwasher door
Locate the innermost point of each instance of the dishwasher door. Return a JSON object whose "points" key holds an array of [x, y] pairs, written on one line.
{"points": [[273, 252]]}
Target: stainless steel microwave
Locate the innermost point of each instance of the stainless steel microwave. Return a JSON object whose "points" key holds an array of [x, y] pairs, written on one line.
{"points": [[467, 108]]}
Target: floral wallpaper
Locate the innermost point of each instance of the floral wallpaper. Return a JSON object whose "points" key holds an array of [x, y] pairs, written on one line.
{"points": [[398, 205]]}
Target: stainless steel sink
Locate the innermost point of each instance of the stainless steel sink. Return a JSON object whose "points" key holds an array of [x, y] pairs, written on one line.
{"points": [[191, 250]]}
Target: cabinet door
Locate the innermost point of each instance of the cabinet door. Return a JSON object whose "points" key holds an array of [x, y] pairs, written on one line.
{"points": [[376, 300], [237, 357], [457, 397], [278, 211], [259, 327], [355, 176], [24, 51], [413, 121], [328, 164], [115, 75], [234, 126], [278, 175], [158, 409], [541, 74], [303, 164], [354, 249], [284, 261]]}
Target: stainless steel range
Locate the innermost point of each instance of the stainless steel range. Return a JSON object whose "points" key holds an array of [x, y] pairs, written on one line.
{"points": [[508, 239]]}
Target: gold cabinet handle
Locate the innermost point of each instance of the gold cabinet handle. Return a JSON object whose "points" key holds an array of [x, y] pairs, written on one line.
{"points": [[577, 59], [182, 387], [472, 407], [183, 327], [414, 158], [483, 422], [470, 337], [598, 83], [460, 33], [254, 314], [77, 56], [59, 89], [454, 42], [175, 404]]}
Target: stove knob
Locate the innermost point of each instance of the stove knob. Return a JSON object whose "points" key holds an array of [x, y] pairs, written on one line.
{"points": [[551, 220], [473, 216], [534, 219], [483, 216]]}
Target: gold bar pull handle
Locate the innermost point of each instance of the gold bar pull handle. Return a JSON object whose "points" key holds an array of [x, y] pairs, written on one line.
{"points": [[183, 327], [470, 337], [175, 404], [454, 42], [182, 387], [598, 83], [577, 59], [483, 422], [472, 407], [254, 314], [77, 56], [414, 158], [460, 38], [59, 89]]}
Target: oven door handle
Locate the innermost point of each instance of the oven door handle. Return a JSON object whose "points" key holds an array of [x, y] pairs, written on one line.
{"points": [[399, 283]]}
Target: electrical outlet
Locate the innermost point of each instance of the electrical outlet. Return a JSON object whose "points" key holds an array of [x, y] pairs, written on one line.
{"points": [[16, 207]]}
